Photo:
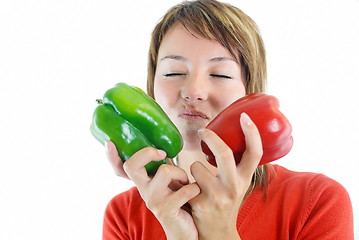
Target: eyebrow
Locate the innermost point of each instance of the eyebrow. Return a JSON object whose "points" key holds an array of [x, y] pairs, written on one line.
{"points": [[220, 59], [183, 59], [175, 57]]}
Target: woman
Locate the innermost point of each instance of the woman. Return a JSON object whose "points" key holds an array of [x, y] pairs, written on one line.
{"points": [[203, 56]]}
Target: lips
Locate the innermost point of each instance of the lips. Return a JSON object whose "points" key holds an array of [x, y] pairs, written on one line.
{"points": [[192, 114]]}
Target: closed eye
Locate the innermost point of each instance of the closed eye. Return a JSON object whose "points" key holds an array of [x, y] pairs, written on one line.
{"points": [[220, 76], [173, 74]]}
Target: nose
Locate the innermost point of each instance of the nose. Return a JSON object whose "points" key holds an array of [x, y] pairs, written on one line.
{"points": [[195, 90]]}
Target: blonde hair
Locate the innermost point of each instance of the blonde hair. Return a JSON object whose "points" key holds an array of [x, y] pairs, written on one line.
{"points": [[228, 25]]}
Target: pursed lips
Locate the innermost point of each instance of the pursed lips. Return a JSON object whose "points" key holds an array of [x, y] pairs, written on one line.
{"points": [[192, 114]]}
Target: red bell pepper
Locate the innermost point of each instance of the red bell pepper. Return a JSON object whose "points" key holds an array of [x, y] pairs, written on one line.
{"points": [[274, 128]]}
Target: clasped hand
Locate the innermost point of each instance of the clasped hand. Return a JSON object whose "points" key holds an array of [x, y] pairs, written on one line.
{"points": [[214, 199]]}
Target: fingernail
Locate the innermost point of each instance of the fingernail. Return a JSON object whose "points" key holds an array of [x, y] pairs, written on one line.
{"points": [[245, 119], [162, 153]]}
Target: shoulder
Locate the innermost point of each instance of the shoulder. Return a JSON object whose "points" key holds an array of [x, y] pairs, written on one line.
{"points": [[127, 217], [125, 202], [317, 201], [132, 195], [313, 183], [117, 219], [306, 185]]}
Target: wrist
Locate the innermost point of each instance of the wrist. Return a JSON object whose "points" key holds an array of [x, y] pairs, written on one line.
{"points": [[178, 232], [179, 236], [221, 236], [229, 234]]}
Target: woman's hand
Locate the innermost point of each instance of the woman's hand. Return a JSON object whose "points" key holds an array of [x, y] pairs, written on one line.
{"points": [[115, 160], [164, 194], [215, 209]]}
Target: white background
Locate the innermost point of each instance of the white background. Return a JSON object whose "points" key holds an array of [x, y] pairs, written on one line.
{"points": [[57, 57]]}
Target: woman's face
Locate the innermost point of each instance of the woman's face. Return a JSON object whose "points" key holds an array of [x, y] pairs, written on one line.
{"points": [[195, 79]]}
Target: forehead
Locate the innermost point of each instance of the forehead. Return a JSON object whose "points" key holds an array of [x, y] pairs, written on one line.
{"points": [[180, 40]]}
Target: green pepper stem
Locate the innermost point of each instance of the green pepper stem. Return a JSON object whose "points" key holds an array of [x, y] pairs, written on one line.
{"points": [[99, 101]]}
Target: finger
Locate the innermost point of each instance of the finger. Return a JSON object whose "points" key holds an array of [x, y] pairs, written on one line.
{"points": [[254, 151], [202, 175], [166, 175], [223, 154], [134, 167], [184, 195], [160, 185], [115, 160], [175, 185]]}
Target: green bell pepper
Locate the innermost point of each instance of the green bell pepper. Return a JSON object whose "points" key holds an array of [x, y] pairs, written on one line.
{"points": [[132, 120]]}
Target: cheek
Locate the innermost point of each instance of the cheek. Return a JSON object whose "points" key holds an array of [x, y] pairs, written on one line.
{"points": [[229, 94], [164, 95], [236, 93]]}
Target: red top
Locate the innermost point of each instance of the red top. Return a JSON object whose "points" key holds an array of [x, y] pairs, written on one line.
{"points": [[296, 205]]}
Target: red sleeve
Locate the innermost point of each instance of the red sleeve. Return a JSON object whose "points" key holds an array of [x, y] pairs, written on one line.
{"points": [[329, 211]]}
